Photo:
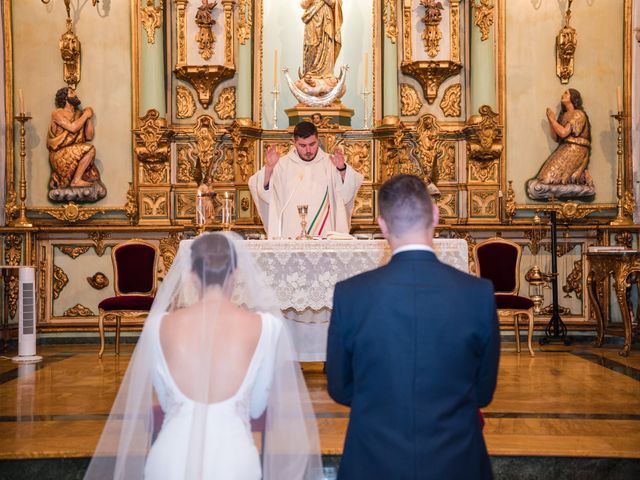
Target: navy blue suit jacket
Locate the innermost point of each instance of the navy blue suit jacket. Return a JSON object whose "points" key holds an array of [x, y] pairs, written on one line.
{"points": [[413, 349]]}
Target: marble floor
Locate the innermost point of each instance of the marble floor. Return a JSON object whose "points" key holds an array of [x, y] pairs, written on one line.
{"points": [[566, 401]]}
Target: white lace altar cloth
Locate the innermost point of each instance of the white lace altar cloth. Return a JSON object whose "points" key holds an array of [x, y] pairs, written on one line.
{"points": [[304, 273]]}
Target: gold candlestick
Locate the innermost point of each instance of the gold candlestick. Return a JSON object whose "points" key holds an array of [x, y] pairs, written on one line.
{"points": [[302, 211], [22, 220], [620, 219]]}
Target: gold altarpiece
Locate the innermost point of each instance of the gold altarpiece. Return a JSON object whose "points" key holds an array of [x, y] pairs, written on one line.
{"points": [[433, 133]]}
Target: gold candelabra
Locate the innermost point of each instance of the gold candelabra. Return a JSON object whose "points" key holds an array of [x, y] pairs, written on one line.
{"points": [[22, 220], [621, 218]]}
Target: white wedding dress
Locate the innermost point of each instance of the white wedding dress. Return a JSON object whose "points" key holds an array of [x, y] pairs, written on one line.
{"points": [[228, 450]]}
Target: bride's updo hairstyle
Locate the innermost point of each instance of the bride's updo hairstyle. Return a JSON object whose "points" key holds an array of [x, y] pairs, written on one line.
{"points": [[213, 259]]}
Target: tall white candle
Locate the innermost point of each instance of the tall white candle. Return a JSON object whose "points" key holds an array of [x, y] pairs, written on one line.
{"points": [[21, 98], [365, 79], [619, 97], [275, 69]]}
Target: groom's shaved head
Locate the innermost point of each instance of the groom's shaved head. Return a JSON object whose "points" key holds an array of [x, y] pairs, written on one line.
{"points": [[405, 205]]}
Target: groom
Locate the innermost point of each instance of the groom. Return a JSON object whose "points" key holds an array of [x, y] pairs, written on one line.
{"points": [[413, 349]]}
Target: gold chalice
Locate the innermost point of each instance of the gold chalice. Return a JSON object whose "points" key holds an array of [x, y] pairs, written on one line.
{"points": [[302, 211]]}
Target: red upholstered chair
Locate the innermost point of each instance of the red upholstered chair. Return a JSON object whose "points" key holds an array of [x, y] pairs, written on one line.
{"points": [[498, 260], [135, 265]]}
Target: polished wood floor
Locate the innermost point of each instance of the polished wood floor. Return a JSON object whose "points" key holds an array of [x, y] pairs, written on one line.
{"points": [[567, 401]]}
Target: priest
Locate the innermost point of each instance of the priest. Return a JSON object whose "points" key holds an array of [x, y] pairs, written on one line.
{"points": [[307, 175]]}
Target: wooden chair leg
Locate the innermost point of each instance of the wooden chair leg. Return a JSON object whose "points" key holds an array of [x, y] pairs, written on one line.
{"points": [[530, 333], [101, 332], [118, 335], [516, 327]]}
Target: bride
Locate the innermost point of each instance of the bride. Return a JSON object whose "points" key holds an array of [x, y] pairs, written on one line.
{"points": [[214, 353]]}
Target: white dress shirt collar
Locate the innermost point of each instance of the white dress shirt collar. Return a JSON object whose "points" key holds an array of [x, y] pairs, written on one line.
{"points": [[413, 246]]}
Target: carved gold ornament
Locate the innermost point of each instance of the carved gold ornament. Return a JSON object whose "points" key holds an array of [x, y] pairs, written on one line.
{"points": [[566, 43], [447, 163], [98, 241], [390, 20], [244, 147], [410, 103], [78, 311], [185, 103], [359, 154], [74, 251], [98, 281], [11, 206], [452, 100], [432, 35], [70, 52], [244, 204], [625, 239], [363, 204], [431, 74], [169, 249], [151, 19], [154, 204], [186, 166], [223, 172], [484, 203], [155, 173], [573, 282], [204, 78], [152, 144], [60, 280], [71, 212], [447, 204], [483, 171], [131, 207], [427, 149], [12, 249], [226, 105], [483, 16], [207, 151], [510, 203], [244, 21], [185, 205], [205, 22], [484, 136], [13, 293], [628, 203]]}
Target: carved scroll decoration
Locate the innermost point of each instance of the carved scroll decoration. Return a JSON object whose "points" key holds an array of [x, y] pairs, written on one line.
{"points": [[410, 103], [151, 19], [12, 256], [207, 152], [154, 204], [70, 51], [244, 21], [169, 249], [152, 143], [427, 148], [98, 241], [573, 282], [432, 35], [78, 311], [483, 16], [226, 105], [185, 103], [359, 154], [566, 43], [625, 239], [243, 141], [74, 251], [484, 203], [390, 20], [484, 136], [60, 280], [446, 170], [186, 165], [131, 207], [451, 101]]}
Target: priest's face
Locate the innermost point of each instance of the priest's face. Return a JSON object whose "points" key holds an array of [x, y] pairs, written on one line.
{"points": [[307, 148]]}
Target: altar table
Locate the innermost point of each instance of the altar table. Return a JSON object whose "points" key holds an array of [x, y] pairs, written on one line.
{"points": [[304, 273]]}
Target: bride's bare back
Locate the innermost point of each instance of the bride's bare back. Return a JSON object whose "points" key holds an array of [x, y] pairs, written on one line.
{"points": [[223, 340]]}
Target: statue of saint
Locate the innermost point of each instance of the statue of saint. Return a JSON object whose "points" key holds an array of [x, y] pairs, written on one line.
{"points": [[322, 39], [564, 174], [74, 176]]}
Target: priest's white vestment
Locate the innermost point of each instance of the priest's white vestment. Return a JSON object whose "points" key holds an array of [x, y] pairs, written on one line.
{"points": [[316, 183]]}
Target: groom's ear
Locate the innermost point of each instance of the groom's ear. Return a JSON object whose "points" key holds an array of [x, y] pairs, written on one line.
{"points": [[383, 227]]}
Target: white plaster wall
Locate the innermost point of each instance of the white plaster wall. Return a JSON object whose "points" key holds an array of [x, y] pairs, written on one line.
{"points": [[283, 30], [532, 84], [105, 85]]}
